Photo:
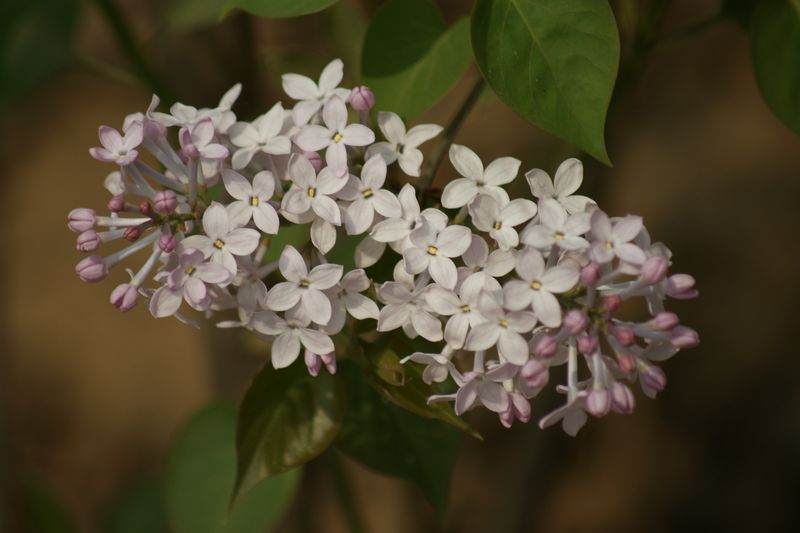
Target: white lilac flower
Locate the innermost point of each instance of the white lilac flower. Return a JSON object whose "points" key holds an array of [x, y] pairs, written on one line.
{"points": [[252, 200], [462, 310], [260, 136], [434, 250], [499, 216], [401, 145], [289, 334], [345, 298], [303, 287], [311, 95], [502, 328], [197, 142], [476, 179], [479, 386], [117, 148], [188, 281], [556, 226], [398, 229], [335, 136], [407, 307], [572, 415], [538, 286], [186, 116], [481, 268], [368, 197], [615, 241], [222, 240], [312, 192], [568, 179]]}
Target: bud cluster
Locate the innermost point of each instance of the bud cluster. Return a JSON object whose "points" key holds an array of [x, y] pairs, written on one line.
{"points": [[509, 289]]}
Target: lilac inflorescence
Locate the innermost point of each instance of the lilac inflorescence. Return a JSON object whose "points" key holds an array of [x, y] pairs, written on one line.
{"points": [[510, 289]]}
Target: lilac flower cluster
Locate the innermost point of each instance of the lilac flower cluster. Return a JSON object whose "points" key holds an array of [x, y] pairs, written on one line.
{"points": [[510, 288]]}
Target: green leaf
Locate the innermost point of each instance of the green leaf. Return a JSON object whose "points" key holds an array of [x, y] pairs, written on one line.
{"points": [[775, 45], [287, 418], [278, 8], [403, 385], [296, 235], [42, 513], [552, 61], [396, 442], [138, 508], [183, 15], [410, 57], [200, 480], [35, 42]]}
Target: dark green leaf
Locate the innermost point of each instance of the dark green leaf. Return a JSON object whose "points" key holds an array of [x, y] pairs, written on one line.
{"points": [[396, 442], [35, 42], [552, 61], [138, 508], [279, 8], [192, 14], [775, 43], [200, 479], [411, 58], [43, 513], [296, 235], [287, 418]]}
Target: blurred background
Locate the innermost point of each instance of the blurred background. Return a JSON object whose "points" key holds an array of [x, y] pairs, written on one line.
{"points": [[91, 398]]}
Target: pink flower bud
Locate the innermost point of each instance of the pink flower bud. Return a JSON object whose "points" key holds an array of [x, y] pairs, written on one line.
{"points": [[587, 344], [653, 377], [361, 99], [622, 400], [165, 202], [664, 321], [92, 269], [145, 208], [575, 321], [598, 403], [627, 362], [167, 242], [132, 233], [314, 159], [591, 273], [124, 297], [116, 204], [654, 269], [683, 337], [546, 346], [681, 287], [535, 374], [88, 241], [519, 408], [313, 363], [330, 362], [81, 219], [612, 303], [625, 336]]}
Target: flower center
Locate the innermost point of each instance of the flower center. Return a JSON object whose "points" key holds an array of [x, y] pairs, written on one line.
{"points": [[608, 245], [400, 148], [465, 309], [189, 270], [367, 193], [432, 250], [477, 268], [337, 138], [558, 236], [254, 201], [498, 224], [312, 192], [536, 285], [304, 283], [219, 244], [503, 323]]}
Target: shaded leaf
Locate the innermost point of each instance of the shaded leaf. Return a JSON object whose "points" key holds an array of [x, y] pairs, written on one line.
{"points": [[278, 8], [775, 45], [200, 480], [411, 58], [552, 61], [138, 508], [182, 15], [35, 42], [296, 235], [42, 513], [287, 418], [396, 442]]}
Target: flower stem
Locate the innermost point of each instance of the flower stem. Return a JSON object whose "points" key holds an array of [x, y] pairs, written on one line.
{"points": [[127, 42], [432, 166]]}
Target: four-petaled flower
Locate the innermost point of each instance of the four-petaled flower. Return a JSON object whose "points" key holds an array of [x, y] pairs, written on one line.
{"points": [[188, 281], [503, 328], [222, 240], [289, 335], [116, 148], [568, 179], [557, 227], [313, 95], [368, 197], [401, 145], [252, 200], [433, 250], [610, 241], [476, 179], [260, 136], [499, 216], [312, 191]]}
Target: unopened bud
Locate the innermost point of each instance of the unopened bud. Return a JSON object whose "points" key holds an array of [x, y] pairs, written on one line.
{"points": [[81, 219], [546, 346], [132, 233], [535, 374], [145, 208], [361, 99], [627, 362], [167, 243], [124, 297], [116, 204], [165, 202], [612, 303], [681, 287], [587, 344], [624, 335], [92, 269], [664, 321], [314, 159], [622, 400], [653, 377], [591, 273], [575, 321], [654, 269], [88, 241], [598, 403], [683, 337]]}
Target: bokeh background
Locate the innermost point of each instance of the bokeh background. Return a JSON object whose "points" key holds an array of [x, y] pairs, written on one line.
{"points": [[91, 398]]}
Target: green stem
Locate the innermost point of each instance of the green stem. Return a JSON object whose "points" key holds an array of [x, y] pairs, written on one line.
{"points": [[127, 42], [447, 137], [344, 491]]}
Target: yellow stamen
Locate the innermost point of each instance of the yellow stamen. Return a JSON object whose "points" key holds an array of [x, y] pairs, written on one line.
{"points": [[337, 138], [312, 192], [367, 193], [254, 201], [477, 269], [608, 245], [536, 285], [498, 225], [503, 323], [465, 309], [558, 236], [304, 283], [219, 244], [432, 250], [189, 270]]}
